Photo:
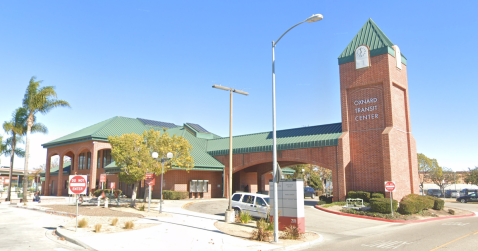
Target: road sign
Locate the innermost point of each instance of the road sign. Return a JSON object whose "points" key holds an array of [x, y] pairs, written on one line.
{"points": [[77, 184], [112, 185], [389, 186], [103, 178], [150, 179]]}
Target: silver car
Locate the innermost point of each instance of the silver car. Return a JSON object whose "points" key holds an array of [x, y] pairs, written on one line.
{"points": [[257, 205]]}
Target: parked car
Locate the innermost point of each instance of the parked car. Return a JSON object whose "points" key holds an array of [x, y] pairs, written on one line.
{"points": [[434, 193], [257, 205], [309, 192], [452, 194], [471, 197]]}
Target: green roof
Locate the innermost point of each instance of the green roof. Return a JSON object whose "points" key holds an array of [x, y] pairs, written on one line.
{"points": [[372, 36], [205, 148], [304, 137]]}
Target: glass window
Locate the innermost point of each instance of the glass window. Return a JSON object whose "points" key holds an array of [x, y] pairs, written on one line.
{"points": [[267, 199], [260, 202], [81, 161], [88, 160], [106, 157], [236, 197], [248, 199], [98, 160]]}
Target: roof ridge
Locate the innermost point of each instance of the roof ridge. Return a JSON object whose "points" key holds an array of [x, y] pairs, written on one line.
{"points": [[278, 130]]}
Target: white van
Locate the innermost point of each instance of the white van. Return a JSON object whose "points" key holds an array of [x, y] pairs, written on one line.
{"points": [[257, 205]]}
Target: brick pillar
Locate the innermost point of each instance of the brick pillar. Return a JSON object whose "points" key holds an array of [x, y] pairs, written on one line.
{"points": [[77, 162], [46, 189], [60, 177], [94, 154]]}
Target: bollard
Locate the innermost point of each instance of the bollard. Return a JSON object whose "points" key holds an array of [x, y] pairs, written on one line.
{"points": [[106, 202], [99, 200]]}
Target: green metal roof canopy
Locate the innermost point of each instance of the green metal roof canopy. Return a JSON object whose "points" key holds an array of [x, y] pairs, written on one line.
{"points": [[372, 36]]}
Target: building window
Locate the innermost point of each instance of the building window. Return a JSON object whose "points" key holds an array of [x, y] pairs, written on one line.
{"points": [[98, 160], [81, 161], [88, 160], [106, 157]]}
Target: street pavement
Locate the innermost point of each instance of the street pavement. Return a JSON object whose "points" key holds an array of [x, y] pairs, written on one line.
{"points": [[350, 233], [22, 229]]}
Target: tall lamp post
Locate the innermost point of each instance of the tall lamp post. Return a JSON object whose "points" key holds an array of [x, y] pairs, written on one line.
{"points": [[313, 18], [229, 215], [155, 156]]}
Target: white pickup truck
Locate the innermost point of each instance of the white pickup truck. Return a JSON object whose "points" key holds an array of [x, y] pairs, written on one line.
{"points": [[257, 205]]}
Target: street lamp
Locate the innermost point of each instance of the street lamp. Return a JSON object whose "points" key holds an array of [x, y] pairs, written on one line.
{"points": [[229, 215], [155, 156], [313, 18]]}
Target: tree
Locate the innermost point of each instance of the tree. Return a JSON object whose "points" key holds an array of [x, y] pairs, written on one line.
{"points": [[36, 100], [472, 176], [424, 167], [17, 128], [315, 182], [132, 153], [441, 176]]}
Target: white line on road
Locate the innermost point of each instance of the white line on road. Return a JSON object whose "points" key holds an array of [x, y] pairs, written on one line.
{"points": [[387, 244]]}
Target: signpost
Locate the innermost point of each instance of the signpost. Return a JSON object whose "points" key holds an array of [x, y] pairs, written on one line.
{"points": [[390, 187], [102, 179], [77, 187], [150, 181]]}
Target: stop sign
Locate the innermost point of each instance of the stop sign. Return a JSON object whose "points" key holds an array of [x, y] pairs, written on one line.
{"points": [[77, 184], [389, 186]]}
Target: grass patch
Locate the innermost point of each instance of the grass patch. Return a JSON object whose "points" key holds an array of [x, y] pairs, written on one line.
{"points": [[97, 228], [245, 217], [261, 233], [291, 233], [337, 203], [141, 207]]}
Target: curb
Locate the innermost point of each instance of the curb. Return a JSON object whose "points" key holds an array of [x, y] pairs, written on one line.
{"points": [[192, 202], [302, 245], [393, 221], [47, 211], [72, 240]]}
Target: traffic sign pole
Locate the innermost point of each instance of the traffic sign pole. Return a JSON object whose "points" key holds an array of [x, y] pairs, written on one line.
{"points": [[390, 187], [76, 228], [77, 186]]}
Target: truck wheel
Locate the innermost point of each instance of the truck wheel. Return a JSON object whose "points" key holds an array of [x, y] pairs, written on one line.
{"points": [[237, 212]]}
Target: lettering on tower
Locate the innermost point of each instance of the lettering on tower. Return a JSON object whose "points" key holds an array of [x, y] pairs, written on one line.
{"points": [[362, 56]]}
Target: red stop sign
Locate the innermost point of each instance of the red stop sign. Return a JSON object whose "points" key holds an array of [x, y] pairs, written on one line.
{"points": [[389, 186], [78, 184]]}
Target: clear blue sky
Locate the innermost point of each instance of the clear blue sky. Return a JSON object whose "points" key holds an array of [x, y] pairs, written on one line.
{"points": [[158, 60]]}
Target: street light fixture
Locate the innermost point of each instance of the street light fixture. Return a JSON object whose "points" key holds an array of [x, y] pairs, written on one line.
{"points": [[313, 18], [155, 156], [229, 215]]}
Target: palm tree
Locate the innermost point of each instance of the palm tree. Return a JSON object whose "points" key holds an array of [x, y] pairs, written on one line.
{"points": [[36, 100], [16, 128]]}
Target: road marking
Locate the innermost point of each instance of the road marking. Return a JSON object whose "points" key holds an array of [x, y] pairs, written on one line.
{"points": [[387, 244], [455, 224], [457, 239]]}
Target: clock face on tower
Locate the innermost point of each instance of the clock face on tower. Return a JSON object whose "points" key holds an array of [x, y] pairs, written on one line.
{"points": [[361, 57]]}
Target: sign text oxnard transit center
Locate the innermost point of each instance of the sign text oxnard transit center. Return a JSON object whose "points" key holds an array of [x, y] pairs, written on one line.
{"points": [[371, 145]]}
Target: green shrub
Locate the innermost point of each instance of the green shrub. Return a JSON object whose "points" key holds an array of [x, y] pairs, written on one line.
{"points": [[175, 195], [414, 203], [365, 196], [352, 195], [245, 217], [291, 233], [451, 211], [382, 205], [438, 204], [377, 195]]}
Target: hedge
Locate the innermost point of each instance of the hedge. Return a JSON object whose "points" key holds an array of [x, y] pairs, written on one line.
{"points": [[97, 192], [365, 196], [382, 205], [439, 204], [377, 195], [175, 195], [414, 203]]}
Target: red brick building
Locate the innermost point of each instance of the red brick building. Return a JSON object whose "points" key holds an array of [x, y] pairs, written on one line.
{"points": [[371, 145]]}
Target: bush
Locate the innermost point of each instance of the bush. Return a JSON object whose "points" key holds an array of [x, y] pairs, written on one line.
{"points": [[261, 233], [97, 192], [175, 195], [82, 223], [245, 217], [291, 233], [141, 207], [382, 205], [377, 195], [97, 228], [438, 204], [128, 225], [114, 221], [413, 203], [451, 211], [365, 196]]}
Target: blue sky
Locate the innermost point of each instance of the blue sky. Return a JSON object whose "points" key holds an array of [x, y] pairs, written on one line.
{"points": [[158, 60]]}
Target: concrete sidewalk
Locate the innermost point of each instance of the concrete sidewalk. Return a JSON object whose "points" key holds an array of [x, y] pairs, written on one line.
{"points": [[185, 230]]}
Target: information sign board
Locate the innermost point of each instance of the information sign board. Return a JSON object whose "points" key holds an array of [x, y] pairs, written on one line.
{"points": [[102, 177], [150, 179]]}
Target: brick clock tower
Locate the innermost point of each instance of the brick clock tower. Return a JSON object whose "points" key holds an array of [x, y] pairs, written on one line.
{"points": [[377, 144]]}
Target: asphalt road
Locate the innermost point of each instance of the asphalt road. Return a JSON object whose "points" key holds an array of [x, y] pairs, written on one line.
{"points": [[22, 229], [349, 233]]}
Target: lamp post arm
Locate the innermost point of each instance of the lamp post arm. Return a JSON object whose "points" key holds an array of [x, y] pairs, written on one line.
{"points": [[277, 41]]}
